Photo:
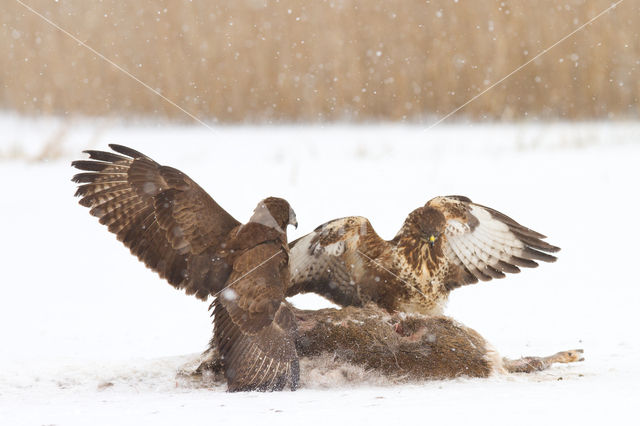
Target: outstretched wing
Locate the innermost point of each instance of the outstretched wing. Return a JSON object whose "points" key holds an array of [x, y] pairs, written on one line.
{"points": [[481, 243], [254, 328], [160, 214], [332, 259]]}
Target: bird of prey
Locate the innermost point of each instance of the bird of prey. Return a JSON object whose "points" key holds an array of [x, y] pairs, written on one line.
{"points": [[179, 231], [447, 243]]}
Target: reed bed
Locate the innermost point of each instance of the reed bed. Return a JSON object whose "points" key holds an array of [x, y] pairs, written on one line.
{"points": [[317, 61]]}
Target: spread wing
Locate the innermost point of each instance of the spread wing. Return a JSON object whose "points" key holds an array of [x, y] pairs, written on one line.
{"points": [[332, 259], [160, 214], [481, 243], [254, 327]]}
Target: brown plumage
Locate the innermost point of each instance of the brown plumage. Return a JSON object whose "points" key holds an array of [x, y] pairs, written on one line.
{"points": [[447, 243], [179, 231]]}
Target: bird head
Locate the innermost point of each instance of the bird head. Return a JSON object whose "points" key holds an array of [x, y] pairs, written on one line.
{"points": [[425, 224], [275, 213]]}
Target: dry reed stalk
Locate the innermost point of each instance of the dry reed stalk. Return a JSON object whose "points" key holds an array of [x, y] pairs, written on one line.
{"points": [[295, 60]]}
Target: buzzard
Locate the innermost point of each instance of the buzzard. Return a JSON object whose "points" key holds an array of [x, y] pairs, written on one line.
{"points": [[447, 243], [179, 231]]}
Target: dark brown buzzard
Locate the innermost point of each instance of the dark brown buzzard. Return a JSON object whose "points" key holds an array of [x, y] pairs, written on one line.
{"points": [[179, 231], [447, 243]]}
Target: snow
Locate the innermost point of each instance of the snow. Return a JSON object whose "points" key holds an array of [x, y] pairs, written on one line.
{"points": [[89, 336]]}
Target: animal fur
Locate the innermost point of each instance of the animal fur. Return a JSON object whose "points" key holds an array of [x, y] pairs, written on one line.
{"points": [[367, 342]]}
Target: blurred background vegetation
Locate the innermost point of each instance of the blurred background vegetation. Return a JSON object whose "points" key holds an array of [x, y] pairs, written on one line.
{"points": [[321, 60]]}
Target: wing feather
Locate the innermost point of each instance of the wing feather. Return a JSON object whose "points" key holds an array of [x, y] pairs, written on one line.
{"points": [[464, 251], [254, 329], [159, 213], [486, 242], [329, 260]]}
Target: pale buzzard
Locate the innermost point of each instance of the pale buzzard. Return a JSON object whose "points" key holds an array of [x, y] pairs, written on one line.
{"points": [[447, 243]]}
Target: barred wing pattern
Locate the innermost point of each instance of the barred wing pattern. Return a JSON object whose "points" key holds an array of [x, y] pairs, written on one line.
{"points": [[447, 243], [255, 330], [484, 243], [330, 260], [160, 214]]}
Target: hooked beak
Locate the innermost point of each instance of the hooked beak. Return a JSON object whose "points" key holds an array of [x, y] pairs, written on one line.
{"points": [[292, 218]]}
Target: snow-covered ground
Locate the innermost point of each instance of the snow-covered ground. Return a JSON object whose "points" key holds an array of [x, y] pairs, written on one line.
{"points": [[89, 336]]}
